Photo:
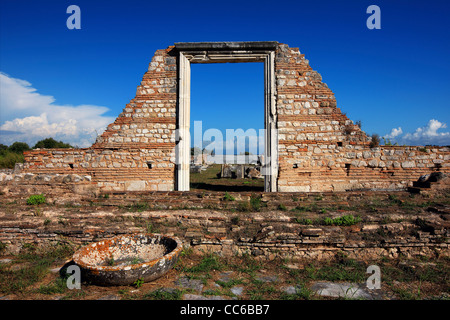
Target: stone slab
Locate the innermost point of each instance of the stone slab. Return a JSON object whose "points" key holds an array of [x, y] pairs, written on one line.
{"points": [[345, 290], [237, 290], [187, 283]]}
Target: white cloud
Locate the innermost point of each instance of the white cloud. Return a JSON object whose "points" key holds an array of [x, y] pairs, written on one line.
{"points": [[29, 116], [394, 133], [426, 135]]}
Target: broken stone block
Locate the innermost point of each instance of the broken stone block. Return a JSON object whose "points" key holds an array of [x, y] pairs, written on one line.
{"points": [[312, 232], [345, 290], [292, 289], [254, 174], [226, 171], [240, 171], [237, 290]]}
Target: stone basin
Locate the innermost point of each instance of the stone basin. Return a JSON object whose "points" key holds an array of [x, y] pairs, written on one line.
{"points": [[124, 259]]}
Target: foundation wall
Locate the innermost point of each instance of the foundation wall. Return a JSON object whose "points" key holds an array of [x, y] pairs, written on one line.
{"points": [[265, 236]]}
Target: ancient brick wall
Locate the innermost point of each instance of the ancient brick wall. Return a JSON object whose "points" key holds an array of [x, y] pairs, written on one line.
{"points": [[319, 148], [111, 169], [137, 150], [263, 235]]}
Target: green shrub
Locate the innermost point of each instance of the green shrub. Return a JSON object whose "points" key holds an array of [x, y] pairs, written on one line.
{"points": [[304, 221], [228, 197], [235, 220], [243, 207], [36, 199], [138, 283], [347, 220], [8, 159], [255, 202]]}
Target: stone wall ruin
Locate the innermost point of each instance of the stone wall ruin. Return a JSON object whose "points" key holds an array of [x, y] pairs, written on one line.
{"points": [[317, 148]]}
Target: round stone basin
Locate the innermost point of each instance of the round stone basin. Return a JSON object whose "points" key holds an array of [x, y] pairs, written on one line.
{"points": [[124, 259]]}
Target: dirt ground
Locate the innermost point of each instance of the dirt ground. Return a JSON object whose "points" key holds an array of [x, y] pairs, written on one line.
{"points": [[210, 276], [34, 273]]}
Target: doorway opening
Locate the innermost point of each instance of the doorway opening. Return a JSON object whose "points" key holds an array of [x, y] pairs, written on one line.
{"points": [[220, 52], [227, 127]]}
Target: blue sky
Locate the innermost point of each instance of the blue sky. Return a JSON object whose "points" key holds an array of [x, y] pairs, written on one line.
{"points": [[70, 84]]}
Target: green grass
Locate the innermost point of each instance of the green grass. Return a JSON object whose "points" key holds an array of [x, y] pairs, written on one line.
{"points": [[59, 285], [218, 292], [341, 268], [248, 265], [208, 263], [260, 290], [35, 267], [160, 294], [138, 207], [310, 208], [304, 293], [230, 283], [208, 180]]}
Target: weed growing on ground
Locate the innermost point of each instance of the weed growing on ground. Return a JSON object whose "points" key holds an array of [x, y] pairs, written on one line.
{"points": [[164, 294], [255, 202], [228, 197], [36, 199], [36, 267], [208, 263], [347, 220], [138, 283], [138, 207]]}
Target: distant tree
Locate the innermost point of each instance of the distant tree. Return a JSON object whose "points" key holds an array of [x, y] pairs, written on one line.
{"points": [[3, 149], [19, 147], [51, 143]]}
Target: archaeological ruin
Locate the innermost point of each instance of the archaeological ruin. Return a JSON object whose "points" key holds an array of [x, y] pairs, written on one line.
{"points": [[319, 169], [310, 145], [330, 192]]}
